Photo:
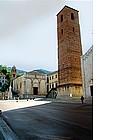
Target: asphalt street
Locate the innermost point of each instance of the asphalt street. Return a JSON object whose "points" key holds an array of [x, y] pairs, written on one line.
{"points": [[51, 121]]}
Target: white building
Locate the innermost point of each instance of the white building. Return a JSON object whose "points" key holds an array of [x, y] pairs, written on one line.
{"points": [[2, 79], [87, 73]]}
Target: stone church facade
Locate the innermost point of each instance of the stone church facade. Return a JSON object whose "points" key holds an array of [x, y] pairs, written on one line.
{"points": [[69, 52], [31, 83]]}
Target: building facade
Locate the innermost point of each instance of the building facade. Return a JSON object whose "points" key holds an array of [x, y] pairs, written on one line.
{"points": [[52, 80], [2, 79], [31, 83], [69, 52], [87, 73]]}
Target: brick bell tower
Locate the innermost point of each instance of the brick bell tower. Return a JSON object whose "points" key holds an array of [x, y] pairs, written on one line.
{"points": [[14, 72], [69, 52]]}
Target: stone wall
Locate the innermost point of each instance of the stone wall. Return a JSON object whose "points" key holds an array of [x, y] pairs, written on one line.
{"points": [[69, 91]]}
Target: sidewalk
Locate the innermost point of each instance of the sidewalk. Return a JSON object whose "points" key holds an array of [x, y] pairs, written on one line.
{"points": [[67, 100], [7, 105], [5, 132]]}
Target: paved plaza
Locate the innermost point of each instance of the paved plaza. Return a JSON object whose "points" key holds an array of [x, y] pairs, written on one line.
{"points": [[45, 119]]}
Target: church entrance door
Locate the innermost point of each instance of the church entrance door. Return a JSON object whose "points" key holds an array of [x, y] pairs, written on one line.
{"points": [[35, 90]]}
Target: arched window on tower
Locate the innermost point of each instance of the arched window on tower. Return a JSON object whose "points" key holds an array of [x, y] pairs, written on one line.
{"points": [[72, 16], [61, 18]]}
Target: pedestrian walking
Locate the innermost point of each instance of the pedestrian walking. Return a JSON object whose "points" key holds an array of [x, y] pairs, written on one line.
{"points": [[0, 112], [82, 99]]}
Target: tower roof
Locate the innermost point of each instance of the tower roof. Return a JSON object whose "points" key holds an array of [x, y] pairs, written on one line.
{"points": [[14, 67], [67, 7]]}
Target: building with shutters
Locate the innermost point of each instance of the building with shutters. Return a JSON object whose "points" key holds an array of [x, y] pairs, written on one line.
{"points": [[52, 80], [2, 79]]}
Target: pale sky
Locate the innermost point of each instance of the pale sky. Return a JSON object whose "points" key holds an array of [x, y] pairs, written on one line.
{"points": [[28, 31]]}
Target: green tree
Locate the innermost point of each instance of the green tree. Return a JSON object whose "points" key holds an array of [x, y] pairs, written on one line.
{"points": [[0, 67], [8, 75], [0, 84], [4, 71]]}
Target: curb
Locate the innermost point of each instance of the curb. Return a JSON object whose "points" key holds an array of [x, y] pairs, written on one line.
{"points": [[5, 130], [59, 100]]}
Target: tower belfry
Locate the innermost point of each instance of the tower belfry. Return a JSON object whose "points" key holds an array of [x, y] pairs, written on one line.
{"points": [[13, 72], [69, 52]]}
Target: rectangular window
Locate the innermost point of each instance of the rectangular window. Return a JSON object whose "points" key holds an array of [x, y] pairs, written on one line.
{"points": [[61, 18], [20, 85], [72, 16], [73, 29]]}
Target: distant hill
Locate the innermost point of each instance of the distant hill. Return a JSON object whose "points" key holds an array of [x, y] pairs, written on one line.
{"points": [[20, 72], [42, 71]]}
